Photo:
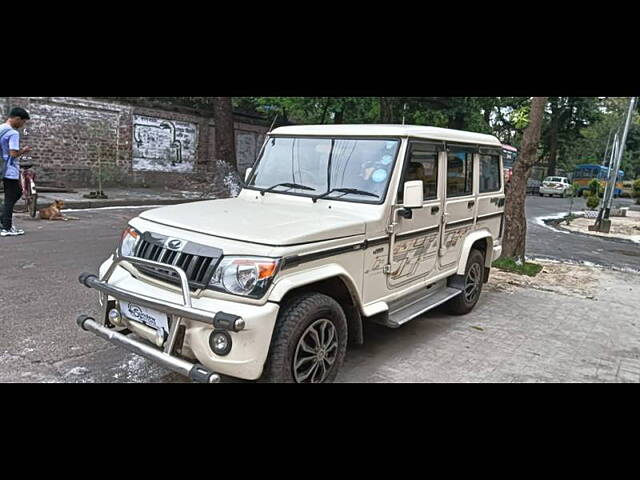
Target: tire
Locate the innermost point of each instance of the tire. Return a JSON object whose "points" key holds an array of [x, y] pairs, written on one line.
{"points": [[541, 194], [294, 330], [32, 205], [474, 273]]}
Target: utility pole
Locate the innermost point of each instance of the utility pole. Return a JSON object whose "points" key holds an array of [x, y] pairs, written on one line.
{"points": [[606, 151], [603, 224]]}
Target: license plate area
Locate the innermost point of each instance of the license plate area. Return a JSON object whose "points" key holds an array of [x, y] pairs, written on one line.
{"points": [[145, 315]]}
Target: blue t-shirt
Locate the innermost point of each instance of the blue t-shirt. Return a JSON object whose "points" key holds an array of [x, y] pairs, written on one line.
{"points": [[10, 141]]}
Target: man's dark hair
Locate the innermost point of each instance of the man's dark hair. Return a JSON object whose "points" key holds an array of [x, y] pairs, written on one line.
{"points": [[19, 112]]}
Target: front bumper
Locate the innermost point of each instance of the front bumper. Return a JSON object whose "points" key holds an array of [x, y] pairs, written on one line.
{"points": [[552, 191], [192, 320], [195, 372]]}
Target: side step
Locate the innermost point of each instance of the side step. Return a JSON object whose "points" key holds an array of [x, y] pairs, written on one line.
{"points": [[406, 309]]}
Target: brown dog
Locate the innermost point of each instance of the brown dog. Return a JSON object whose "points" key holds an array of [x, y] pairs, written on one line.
{"points": [[52, 212]]}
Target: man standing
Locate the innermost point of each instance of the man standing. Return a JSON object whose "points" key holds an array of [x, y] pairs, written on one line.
{"points": [[11, 152]]}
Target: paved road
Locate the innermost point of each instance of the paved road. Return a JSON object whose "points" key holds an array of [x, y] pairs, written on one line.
{"points": [[41, 298], [543, 241]]}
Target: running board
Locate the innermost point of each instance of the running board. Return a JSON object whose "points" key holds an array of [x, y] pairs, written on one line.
{"points": [[403, 311]]}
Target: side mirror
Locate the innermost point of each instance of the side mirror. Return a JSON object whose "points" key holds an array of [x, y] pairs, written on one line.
{"points": [[247, 174], [413, 194]]}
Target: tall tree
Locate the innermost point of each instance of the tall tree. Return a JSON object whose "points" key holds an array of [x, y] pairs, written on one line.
{"points": [[515, 234], [225, 132], [386, 110]]}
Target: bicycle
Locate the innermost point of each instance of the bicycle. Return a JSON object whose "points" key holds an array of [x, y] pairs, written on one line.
{"points": [[29, 190]]}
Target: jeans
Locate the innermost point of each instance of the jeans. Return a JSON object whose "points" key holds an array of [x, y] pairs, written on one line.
{"points": [[12, 193]]}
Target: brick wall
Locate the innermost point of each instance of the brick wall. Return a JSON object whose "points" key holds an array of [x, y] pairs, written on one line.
{"points": [[71, 136]]}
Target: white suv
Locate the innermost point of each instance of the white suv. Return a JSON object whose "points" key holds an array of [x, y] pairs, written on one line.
{"points": [[336, 225], [555, 186]]}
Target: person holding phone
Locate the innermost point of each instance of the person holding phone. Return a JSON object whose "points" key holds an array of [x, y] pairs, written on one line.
{"points": [[10, 171]]}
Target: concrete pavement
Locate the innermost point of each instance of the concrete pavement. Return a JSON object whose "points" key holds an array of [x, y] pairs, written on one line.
{"points": [[512, 336]]}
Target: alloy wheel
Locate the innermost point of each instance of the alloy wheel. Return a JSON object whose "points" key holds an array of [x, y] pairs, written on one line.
{"points": [[472, 283], [316, 352]]}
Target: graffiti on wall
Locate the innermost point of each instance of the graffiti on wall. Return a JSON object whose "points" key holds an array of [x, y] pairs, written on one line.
{"points": [[162, 145]]}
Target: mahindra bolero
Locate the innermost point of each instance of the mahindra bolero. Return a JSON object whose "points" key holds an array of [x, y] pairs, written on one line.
{"points": [[335, 226]]}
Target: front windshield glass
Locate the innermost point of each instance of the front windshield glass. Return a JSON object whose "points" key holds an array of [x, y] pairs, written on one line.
{"points": [[323, 165]]}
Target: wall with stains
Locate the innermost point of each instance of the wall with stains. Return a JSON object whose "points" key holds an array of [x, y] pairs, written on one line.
{"points": [[75, 138]]}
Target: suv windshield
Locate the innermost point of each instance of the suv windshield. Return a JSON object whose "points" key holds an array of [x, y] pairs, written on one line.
{"points": [[333, 168]]}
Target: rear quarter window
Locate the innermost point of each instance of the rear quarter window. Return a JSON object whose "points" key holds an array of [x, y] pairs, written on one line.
{"points": [[490, 177]]}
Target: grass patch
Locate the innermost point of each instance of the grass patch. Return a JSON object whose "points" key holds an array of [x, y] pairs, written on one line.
{"points": [[509, 265]]}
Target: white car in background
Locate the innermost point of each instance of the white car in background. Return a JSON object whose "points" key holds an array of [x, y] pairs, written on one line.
{"points": [[556, 186]]}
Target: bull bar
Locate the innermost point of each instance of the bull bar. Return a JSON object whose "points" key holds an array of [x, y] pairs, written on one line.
{"points": [[165, 357]]}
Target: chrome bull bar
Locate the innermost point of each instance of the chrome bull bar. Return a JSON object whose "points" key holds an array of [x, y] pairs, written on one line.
{"points": [[164, 357], [195, 372]]}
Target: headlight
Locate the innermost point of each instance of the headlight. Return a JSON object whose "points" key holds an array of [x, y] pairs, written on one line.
{"points": [[130, 239], [246, 276]]}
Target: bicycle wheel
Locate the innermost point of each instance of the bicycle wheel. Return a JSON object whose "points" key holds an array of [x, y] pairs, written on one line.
{"points": [[32, 205]]}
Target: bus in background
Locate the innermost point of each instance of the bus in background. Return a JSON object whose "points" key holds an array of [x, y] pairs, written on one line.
{"points": [[583, 174], [509, 156]]}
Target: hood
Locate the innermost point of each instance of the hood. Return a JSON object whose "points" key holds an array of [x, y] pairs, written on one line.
{"points": [[276, 224]]}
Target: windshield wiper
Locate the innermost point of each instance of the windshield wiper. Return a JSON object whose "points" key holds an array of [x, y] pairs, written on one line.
{"points": [[346, 191], [289, 185]]}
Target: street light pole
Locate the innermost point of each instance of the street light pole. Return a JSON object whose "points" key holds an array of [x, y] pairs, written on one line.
{"points": [[603, 224]]}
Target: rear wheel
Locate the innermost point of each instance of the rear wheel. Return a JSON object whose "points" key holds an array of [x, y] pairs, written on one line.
{"points": [[309, 341], [32, 204], [470, 284]]}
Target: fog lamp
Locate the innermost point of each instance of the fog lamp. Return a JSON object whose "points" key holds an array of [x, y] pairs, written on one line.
{"points": [[220, 342], [115, 317]]}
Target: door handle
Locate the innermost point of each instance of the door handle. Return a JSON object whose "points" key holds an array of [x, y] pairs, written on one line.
{"points": [[471, 204], [435, 210]]}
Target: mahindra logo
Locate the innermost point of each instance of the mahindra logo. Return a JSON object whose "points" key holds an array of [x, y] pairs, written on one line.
{"points": [[134, 310], [175, 244]]}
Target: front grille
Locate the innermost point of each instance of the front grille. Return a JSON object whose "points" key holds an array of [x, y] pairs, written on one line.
{"points": [[198, 261]]}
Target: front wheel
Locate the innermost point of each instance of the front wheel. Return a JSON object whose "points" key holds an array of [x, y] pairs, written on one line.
{"points": [[470, 284], [32, 204], [309, 341]]}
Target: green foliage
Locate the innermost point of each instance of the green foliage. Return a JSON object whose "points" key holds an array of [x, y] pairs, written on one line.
{"points": [[593, 201], [594, 186], [576, 189], [596, 138], [501, 116], [510, 265], [636, 190]]}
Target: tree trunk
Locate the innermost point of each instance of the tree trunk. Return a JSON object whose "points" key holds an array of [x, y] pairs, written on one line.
{"points": [[338, 117], [457, 122], [386, 110], [324, 110], [553, 141], [515, 234], [225, 133]]}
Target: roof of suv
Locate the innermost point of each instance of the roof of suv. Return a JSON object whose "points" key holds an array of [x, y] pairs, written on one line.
{"points": [[376, 130]]}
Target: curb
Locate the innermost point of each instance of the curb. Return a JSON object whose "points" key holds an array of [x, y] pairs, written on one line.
{"points": [[83, 204]]}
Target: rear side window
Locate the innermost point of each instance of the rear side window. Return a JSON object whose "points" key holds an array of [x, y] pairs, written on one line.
{"points": [[422, 165], [459, 173], [489, 173]]}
